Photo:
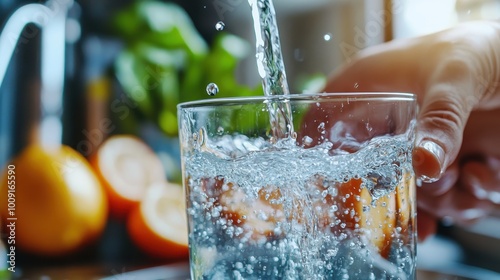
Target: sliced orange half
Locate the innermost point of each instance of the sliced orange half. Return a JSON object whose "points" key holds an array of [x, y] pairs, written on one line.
{"points": [[126, 166], [357, 211], [158, 226], [405, 200]]}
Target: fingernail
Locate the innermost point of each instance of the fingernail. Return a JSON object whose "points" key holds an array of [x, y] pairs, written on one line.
{"points": [[435, 149], [429, 159]]}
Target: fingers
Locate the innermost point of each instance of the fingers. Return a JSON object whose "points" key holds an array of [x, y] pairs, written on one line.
{"points": [[386, 67], [464, 77], [455, 207], [463, 194], [482, 179], [451, 75], [445, 183], [444, 112]]}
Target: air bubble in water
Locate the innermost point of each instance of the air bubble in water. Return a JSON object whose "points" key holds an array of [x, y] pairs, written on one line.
{"points": [[327, 37], [219, 26], [307, 141], [321, 127], [212, 89]]}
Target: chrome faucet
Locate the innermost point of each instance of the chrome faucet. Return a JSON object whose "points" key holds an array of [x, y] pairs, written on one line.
{"points": [[51, 19]]}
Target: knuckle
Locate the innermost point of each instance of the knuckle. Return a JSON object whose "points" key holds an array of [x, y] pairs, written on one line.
{"points": [[446, 112]]}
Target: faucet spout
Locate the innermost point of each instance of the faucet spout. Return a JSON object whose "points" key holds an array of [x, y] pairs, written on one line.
{"points": [[30, 13], [51, 18]]}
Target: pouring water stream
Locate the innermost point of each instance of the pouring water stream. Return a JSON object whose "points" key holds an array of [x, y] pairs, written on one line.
{"points": [[271, 67]]}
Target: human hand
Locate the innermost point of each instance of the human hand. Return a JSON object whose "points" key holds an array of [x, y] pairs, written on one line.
{"points": [[456, 77]]}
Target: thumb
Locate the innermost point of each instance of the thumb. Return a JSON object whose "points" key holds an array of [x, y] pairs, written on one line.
{"points": [[449, 100]]}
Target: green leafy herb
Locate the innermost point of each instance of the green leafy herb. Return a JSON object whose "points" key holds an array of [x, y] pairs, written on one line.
{"points": [[165, 61]]}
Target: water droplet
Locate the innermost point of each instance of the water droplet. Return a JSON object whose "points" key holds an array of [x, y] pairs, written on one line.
{"points": [[219, 26], [212, 89], [327, 37]]}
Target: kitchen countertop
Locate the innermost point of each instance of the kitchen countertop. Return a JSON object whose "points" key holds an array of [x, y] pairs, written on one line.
{"points": [[180, 271], [439, 257]]}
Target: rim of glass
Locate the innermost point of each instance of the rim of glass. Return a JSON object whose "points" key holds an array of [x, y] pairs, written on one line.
{"points": [[316, 97]]}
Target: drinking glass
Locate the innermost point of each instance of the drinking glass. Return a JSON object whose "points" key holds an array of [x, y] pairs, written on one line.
{"points": [[333, 198]]}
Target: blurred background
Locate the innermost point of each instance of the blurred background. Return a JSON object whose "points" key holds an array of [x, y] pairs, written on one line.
{"points": [[115, 70]]}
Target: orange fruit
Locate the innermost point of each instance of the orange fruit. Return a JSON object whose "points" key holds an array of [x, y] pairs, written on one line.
{"points": [[59, 202], [405, 201], [375, 219], [258, 218], [158, 225], [356, 210], [126, 167]]}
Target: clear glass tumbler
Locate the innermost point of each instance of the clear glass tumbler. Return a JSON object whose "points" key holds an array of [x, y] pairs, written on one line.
{"points": [[335, 199]]}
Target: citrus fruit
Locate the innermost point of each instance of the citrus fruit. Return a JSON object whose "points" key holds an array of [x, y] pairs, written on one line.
{"points": [[359, 211], [126, 167], [158, 224], [355, 210], [256, 218], [59, 204], [405, 201]]}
